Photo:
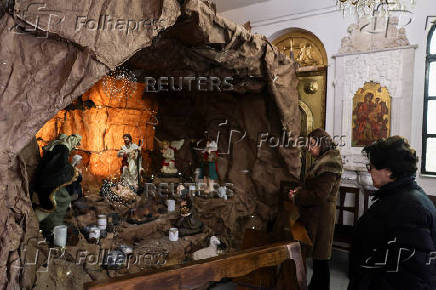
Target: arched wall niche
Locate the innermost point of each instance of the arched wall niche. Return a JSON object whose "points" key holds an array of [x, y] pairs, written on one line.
{"points": [[311, 58], [306, 48]]}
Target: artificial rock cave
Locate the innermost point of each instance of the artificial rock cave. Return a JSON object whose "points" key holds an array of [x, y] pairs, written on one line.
{"points": [[61, 93]]}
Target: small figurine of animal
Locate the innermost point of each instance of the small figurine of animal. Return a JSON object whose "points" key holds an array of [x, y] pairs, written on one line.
{"points": [[208, 252]]}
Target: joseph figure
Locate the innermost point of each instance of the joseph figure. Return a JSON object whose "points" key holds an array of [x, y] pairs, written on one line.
{"points": [[132, 163]]}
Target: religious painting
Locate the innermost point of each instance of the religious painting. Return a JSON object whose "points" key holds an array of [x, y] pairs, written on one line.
{"points": [[371, 114]]}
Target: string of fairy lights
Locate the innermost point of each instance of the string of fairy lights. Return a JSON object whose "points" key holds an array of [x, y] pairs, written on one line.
{"points": [[122, 83], [119, 83]]}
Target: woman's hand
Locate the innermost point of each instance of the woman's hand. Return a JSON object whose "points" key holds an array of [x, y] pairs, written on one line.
{"points": [[291, 194]]}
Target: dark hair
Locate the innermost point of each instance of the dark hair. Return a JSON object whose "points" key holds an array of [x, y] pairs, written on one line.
{"points": [[323, 139], [393, 153], [128, 136]]}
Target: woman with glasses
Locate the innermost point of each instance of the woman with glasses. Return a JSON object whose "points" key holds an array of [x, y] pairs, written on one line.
{"points": [[316, 201], [395, 240]]}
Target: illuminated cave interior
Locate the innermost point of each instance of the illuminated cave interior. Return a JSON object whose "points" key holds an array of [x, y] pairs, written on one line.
{"points": [[102, 119]]}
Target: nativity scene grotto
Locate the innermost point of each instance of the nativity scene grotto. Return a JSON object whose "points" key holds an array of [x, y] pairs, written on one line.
{"points": [[123, 154]]}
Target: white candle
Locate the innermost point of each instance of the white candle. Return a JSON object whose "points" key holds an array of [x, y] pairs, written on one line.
{"points": [[102, 222], [94, 232], [174, 234], [171, 205], [60, 235]]}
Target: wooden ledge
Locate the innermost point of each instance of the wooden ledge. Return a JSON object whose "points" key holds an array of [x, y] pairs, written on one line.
{"points": [[196, 274]]}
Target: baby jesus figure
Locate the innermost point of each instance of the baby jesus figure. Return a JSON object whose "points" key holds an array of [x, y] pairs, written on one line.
{"points": [[168, 153]]}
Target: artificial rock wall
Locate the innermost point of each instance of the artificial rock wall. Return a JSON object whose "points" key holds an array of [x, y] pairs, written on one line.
{"points": [[43, 71], [254, 168]]}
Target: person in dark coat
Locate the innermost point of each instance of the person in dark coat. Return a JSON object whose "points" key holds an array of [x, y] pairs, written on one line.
{"points": [[394, 242], [316, 201]]}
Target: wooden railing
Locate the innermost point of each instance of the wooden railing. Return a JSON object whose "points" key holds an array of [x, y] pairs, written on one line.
{"points": [[197, 274]]}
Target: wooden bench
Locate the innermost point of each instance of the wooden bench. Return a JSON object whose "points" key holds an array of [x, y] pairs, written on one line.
{"points": [[197, 274]]}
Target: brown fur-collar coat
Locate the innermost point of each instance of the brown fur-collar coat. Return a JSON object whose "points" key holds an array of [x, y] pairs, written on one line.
{"points": [[316, 201]]}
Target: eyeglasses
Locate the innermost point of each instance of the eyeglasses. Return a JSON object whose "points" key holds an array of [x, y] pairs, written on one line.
{"points": [[369, 167]]}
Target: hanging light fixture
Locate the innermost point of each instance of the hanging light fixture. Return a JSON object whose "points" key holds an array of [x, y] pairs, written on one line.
{"points": [[374, 8], [119, 83]]}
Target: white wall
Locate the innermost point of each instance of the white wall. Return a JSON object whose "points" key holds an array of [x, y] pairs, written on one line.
{"points": [[272, 18]]}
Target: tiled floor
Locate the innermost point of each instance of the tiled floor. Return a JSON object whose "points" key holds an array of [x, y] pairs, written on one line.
{"points": [[338, 273]]}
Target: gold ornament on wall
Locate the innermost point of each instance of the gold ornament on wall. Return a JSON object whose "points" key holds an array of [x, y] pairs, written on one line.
{"points": [[311, 87], [304, 47]]}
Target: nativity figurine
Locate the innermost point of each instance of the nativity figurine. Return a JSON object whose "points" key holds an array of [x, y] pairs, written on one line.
{"points": [[209, 252], [209, 172], [131, 167], [168, 150], [53, 175], [188, 224], [118, 193]]}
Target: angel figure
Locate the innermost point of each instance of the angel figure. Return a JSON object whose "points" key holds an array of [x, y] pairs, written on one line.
{"points": [[168, 150]]}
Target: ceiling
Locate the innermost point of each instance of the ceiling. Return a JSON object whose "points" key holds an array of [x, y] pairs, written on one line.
{"points": [[224, 5]]}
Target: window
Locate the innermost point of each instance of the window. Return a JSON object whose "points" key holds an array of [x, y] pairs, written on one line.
{"points": [[428, 165]]}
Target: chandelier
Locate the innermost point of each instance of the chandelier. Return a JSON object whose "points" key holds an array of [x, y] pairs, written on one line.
{"points": [[374, 8]]}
